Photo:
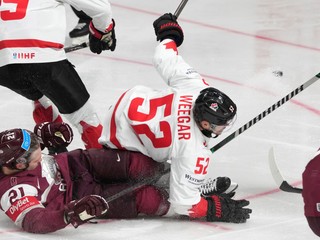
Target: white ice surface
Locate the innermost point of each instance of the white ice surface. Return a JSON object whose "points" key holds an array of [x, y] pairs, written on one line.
{"points": [[236, 45]]}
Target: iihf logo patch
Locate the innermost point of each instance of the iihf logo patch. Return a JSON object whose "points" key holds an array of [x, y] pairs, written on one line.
{"points": [[214, 106], [23, 55], [318, 207]]}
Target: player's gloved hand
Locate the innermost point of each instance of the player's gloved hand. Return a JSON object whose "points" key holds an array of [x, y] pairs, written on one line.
{"points": [[221, 209], [100, 41], [54, 134], [80, 211], [167, 26]]}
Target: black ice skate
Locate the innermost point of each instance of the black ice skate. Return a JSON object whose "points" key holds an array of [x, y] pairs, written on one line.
{"points": [[219, 185], [80, 33]]}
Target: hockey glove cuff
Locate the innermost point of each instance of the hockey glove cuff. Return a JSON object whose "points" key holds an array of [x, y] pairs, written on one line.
{"points": [[167, 26]]}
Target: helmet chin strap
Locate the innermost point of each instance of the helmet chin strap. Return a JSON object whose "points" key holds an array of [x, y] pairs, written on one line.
{"points": [[209, 134]]}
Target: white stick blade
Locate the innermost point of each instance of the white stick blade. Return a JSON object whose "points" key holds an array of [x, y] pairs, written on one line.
{"points": [[277, 176]]}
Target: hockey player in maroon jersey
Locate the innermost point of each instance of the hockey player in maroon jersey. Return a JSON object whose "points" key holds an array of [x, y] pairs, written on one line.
{"points": [[33, 62], [43, 193], [311, 193]]}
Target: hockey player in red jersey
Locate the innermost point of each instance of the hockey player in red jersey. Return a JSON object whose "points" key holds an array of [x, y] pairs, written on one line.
{"points": [[311, 193], [33, 61], [175, 123]]}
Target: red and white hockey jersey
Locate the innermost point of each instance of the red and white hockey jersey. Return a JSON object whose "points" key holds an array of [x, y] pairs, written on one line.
{"points": [[160, 124], [33, 31]]}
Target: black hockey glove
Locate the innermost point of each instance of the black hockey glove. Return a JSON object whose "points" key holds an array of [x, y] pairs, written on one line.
{"points": [[80, 211], [100, 41], [167, 26], [224, 209], [217, 208]]}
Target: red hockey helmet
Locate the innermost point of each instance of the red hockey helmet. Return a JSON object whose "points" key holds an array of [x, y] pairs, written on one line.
{"points": [[15, 144]]}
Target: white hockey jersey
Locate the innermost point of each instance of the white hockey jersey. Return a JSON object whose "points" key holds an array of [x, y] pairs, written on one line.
{"points": [[160, 124], [33, 31]]}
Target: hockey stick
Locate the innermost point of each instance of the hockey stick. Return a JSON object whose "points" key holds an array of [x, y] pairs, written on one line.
{"points": [[265, 113], [84, 215], [180, 8], [277, 176], [76, 47], [138, 185], [86, 44]]}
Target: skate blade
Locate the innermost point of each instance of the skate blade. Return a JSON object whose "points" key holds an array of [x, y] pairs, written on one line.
{"points": [[233, 186]]}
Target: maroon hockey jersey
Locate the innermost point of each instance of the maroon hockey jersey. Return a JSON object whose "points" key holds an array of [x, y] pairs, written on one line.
{"points": [[35, 199], [44, 187]]}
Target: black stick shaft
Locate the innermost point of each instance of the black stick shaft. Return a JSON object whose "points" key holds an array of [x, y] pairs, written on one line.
{"points": [[137, 186], [180, 8], [77, 47], [265, 113]]}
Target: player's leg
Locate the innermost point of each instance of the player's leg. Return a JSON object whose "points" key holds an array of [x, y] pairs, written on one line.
{"points": [[106, 172], [45, 111], [148, 200], [18, 77], [88, 125], [112, 165], [60, 82], [81, 31]]}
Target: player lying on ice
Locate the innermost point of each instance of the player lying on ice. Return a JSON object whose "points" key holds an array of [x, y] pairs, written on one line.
{"points": [[175, 122], [44, 193]]}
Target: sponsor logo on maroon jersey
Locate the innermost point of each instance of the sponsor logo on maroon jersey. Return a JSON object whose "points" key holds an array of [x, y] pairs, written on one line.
{"points": [[21, 205]]}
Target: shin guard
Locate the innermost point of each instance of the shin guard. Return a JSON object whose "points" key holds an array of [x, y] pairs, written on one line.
{"points": [[88, 124], [147, 200], [152, 201], [45, 111], [90, 135]]}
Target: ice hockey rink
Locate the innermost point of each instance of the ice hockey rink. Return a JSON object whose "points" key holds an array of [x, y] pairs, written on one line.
{"points": [[237, 46]]}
